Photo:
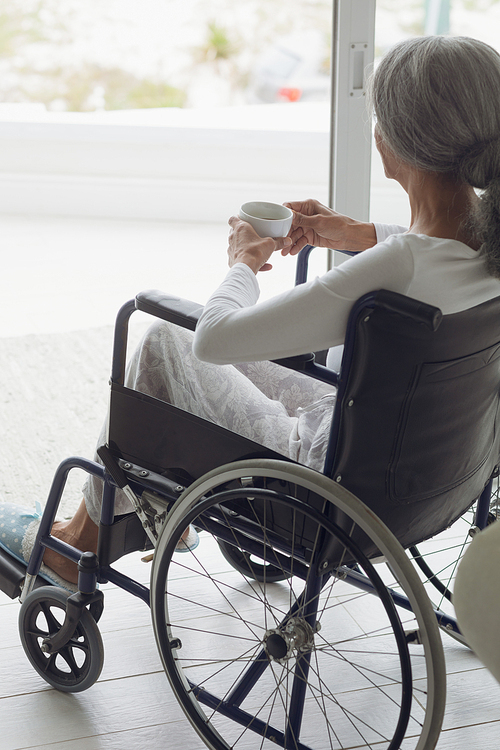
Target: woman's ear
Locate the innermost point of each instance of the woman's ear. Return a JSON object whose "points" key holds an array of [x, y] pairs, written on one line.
{"points": [[393, 166]]}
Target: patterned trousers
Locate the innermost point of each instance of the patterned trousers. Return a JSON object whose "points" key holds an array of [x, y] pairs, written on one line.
{"points": [[284, 410]]}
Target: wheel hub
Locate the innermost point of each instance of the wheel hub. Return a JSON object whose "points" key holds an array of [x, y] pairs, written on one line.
{"points": [[295, 637]]}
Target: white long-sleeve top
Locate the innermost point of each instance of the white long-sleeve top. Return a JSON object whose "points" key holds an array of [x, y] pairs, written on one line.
{"points": [[313, 316]]}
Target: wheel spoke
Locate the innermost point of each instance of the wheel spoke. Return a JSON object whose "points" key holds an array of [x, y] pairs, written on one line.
{"points": [[303, 659], [77, 664], [53, 624], [438, 559], [66, 653]]}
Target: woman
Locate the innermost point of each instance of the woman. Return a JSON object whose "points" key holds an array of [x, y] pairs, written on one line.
{"points": [[438, 133]]}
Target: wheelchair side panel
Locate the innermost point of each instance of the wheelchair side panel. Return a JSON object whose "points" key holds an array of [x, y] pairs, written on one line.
{"points": [[166, 439]]}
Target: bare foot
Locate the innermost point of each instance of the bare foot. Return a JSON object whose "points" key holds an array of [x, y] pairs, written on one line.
{"points": [[185, 543], [81, 532]]}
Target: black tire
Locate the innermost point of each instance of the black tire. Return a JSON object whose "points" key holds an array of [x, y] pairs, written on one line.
{"points": [[291, 634], [249, 566], [76, 666]]}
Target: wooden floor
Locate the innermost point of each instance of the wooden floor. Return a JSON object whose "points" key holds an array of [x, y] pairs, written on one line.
{"points": [[132, 706]]}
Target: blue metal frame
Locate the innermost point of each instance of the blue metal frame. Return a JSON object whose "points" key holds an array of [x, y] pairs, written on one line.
{"points": [[44, 538], [483, 506]]}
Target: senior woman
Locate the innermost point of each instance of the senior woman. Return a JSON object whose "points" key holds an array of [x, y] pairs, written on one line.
{"points": [[436, 101]]}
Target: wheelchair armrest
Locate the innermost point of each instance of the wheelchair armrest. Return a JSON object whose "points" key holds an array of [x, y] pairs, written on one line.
{"points": [[306, 363], [176, 310], [299, 362], [185, 313]]}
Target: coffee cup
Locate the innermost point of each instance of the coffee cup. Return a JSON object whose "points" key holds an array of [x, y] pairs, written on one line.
{"points": [[268, 219]]}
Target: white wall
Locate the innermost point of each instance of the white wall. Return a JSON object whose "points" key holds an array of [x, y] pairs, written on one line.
{"points": [[180, 165]]}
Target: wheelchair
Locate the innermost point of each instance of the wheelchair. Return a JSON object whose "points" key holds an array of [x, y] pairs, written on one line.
{"points": [[289, 556]]}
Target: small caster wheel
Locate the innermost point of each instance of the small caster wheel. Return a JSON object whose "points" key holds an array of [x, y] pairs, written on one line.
{"points": [[78, 664]]}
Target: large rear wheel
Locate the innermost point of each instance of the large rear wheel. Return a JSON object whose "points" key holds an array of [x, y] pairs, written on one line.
{"points": [[317, 661]]}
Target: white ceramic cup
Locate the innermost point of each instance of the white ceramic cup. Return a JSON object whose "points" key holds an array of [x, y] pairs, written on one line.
{"points": [[268, 219]]}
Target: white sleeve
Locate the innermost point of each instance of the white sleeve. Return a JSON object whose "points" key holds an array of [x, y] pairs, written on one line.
{"points": [[309, 317], [384, 231]]}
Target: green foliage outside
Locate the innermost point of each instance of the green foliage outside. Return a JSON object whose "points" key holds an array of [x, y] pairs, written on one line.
{"points": [[27, 26], [17, 29], [479, 4], [414, 11], [218, 45], [91, 86], [76, 89], [24, 24]]}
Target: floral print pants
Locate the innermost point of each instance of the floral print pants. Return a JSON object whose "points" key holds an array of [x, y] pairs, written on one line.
{"points": [[284, 410]]}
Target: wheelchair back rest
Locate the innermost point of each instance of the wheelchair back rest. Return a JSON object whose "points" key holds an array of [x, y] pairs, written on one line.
{"points": [[417, 417]]}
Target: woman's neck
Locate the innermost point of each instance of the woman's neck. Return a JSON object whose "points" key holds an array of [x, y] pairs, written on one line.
{"points": [[441, 206]]}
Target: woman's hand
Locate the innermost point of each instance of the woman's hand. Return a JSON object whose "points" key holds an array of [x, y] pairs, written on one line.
{"points": [[318, 225], [245, 246]]}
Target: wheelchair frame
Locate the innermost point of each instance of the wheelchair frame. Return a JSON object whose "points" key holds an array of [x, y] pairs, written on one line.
{"points": [[162, 516]]}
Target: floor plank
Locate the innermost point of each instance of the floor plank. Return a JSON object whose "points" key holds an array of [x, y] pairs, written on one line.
{"points": [[476, 737], [132, 704], [108, 707], [172, 735]]}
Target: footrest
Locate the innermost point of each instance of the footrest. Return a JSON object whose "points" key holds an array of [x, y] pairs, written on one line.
{"points": [[12, 574]]}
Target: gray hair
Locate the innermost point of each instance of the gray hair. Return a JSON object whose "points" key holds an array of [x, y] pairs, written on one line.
{"points": [[437, 104]]}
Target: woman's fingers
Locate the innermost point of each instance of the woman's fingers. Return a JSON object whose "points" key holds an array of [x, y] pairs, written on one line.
{"points": [[245, 246], [302, 220], [299, 238], [308, 207], [282, 242]]}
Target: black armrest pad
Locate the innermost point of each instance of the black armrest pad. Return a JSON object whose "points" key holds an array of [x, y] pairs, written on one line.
{"points": [[306, 363], [298, 362], [176, 310]]}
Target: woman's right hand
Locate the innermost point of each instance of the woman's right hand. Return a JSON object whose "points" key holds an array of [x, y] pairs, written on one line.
{"points": [[316, 224]]}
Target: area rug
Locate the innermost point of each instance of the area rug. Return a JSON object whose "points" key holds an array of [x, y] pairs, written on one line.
{"points": [[53, 397]]}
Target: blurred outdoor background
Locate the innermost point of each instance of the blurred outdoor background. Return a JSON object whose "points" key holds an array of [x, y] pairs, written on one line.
{"points": [[75, 55]]}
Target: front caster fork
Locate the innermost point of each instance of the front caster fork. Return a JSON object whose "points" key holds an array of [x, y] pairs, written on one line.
{"points": [[86, 596]]}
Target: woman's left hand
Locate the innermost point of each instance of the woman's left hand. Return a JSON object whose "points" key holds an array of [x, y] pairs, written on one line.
{"points": [[245, 246]]}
